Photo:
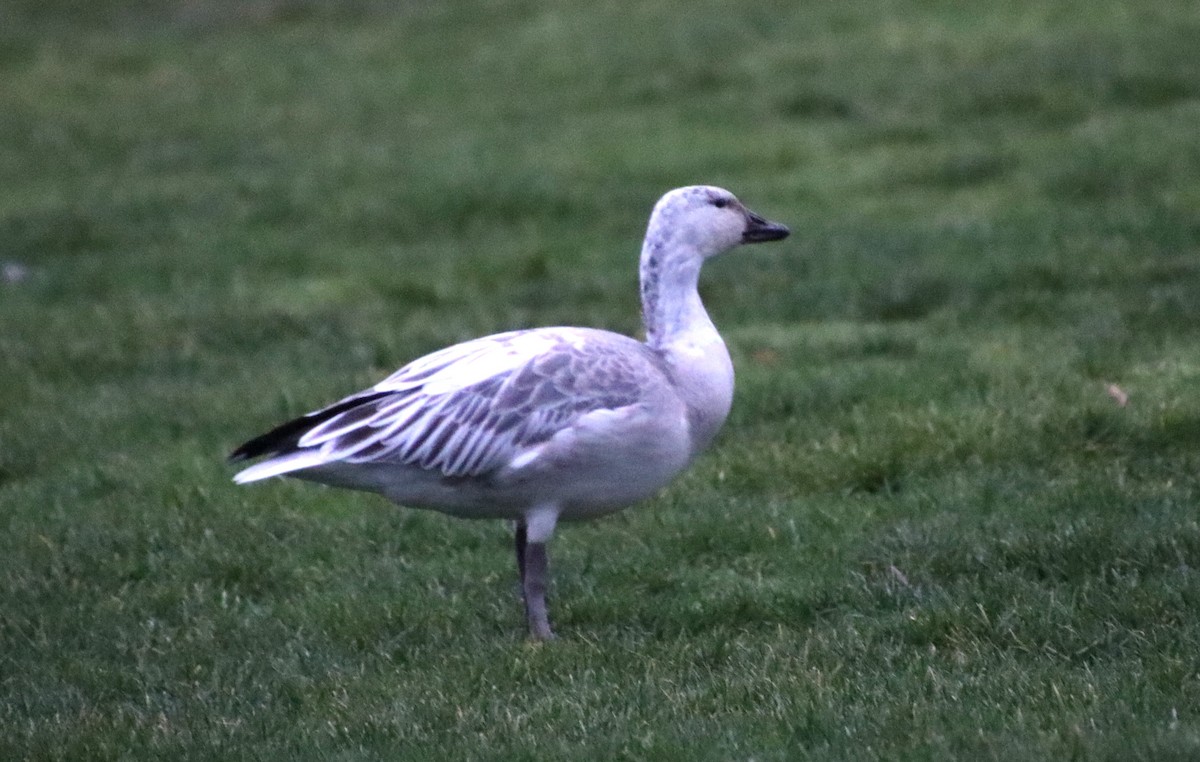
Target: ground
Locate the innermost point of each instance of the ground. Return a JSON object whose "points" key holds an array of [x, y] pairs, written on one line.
{"points": [[953, 513]]}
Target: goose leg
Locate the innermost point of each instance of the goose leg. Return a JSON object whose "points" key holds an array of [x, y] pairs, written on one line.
{"points": [[531, 570], [520, 547], [532, 532], [533, 586]]}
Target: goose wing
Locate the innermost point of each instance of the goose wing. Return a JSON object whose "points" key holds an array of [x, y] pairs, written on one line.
{"points": [[467, 409]]}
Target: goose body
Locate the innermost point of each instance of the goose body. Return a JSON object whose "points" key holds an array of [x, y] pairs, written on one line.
{"points": [[548, 423]]}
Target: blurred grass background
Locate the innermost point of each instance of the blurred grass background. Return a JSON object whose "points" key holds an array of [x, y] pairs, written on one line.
{"points": [[930, 530]]}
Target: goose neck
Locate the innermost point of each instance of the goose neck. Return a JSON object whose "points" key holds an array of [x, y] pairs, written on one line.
{"points": [[671, 306]]}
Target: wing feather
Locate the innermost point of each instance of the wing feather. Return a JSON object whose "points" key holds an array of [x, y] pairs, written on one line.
{"points": [[474, 407]]}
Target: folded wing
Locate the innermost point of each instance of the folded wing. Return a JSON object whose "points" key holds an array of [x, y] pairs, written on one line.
{"points": [[466, 410]]}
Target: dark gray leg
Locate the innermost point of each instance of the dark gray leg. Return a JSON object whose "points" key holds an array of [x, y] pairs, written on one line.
{"points": [[520, 546], [533, 531], [533, 586]]}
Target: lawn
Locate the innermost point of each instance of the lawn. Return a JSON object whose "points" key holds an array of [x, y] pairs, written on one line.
{"points": [[954, 514]]}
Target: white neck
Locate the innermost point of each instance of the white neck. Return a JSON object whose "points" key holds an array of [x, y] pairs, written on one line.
{"points": [[679, 329], [671, 306]]}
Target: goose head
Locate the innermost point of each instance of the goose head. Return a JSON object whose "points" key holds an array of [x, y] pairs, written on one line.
{"points": [[706, 221]]}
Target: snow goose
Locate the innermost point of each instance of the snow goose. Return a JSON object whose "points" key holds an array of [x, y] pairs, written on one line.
{"points": [[548, 423]]}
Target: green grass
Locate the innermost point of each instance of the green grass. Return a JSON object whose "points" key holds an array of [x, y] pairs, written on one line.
{"points": [[928, 530]]}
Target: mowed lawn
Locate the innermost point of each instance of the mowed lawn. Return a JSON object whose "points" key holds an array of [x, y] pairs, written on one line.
{"points": [[954, 514]]}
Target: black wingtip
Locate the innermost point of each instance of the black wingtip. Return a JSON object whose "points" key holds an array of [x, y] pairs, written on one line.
{"points": [[240, 454], [277, 439], [286, 436]]}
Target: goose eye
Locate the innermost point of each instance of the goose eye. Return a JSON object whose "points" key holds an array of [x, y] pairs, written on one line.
{"points": [[720, 203]]}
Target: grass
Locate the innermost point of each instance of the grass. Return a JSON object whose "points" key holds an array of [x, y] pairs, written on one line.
{"points": [[928, 531]]}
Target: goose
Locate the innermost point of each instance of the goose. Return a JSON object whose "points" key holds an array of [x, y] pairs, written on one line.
{"points": [[545, 424]]}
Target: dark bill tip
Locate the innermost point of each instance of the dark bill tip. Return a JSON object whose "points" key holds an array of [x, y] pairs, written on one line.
{"points": [[759, 230]]}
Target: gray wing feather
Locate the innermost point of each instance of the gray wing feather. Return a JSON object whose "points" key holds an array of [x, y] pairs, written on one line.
{"points": [[475, 429]]}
